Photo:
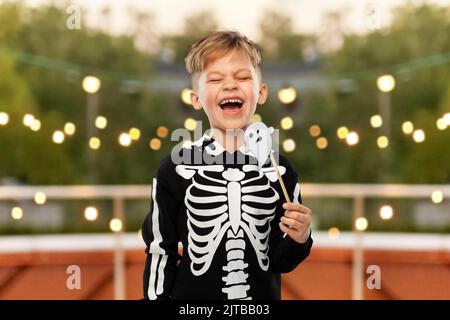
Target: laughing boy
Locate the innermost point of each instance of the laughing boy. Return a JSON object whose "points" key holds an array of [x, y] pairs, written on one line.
{"points": [[230, 216]]}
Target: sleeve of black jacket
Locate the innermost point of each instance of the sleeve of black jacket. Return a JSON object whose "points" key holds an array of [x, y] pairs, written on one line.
{"points": [[286, 254], [160, 236]]}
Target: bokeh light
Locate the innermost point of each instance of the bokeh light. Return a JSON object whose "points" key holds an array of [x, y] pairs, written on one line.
{"points": [[361, 224], [101, 122], [386, 83], [115, 225], [91, 213], [287, 123], [91, 84], [386, 212], [287, 95], [17, 213]]}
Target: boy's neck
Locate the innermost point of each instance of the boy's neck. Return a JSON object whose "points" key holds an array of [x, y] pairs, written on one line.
{"points": [[231, 143]]}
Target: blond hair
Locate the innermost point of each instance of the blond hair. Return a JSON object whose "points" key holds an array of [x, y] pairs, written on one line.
{"points": [[217, 44]]}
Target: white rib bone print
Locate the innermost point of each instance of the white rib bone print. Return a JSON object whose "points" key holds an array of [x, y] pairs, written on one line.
{"points": [[237, 203]]}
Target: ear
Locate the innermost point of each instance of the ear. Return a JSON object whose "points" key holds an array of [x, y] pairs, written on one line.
{"points": [[263, 93], [195, 100]]}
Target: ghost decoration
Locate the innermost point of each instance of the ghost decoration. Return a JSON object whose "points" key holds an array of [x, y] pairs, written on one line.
{"points": [[258, 141]]}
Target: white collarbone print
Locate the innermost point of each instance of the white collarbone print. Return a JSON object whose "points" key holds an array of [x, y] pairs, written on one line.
{"points": [[231, 203]]}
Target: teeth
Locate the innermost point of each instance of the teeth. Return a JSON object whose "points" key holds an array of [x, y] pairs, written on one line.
{"points": [[231, 101]]}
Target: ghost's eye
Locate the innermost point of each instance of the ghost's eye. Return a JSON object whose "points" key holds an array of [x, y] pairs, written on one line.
{"points": [[251, 135], [257, 131]]}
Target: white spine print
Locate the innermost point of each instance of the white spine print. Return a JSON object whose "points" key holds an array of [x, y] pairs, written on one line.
{"points": [[236, 279], [236, 286], [238, 211]]}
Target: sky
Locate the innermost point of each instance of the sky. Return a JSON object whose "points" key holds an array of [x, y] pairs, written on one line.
{"points": [[244, 15]]}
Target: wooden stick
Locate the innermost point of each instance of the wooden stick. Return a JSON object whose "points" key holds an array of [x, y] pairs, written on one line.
{"points": [[280, 179], [274, 164]]}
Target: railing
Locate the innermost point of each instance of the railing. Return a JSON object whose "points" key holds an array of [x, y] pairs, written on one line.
{"points": [[119, 193]]}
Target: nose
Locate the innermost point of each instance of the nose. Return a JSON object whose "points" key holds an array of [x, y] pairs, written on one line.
{"points": [[229, 85]]}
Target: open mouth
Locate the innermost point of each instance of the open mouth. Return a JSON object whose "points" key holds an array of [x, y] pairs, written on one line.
{"points": [[231, 105]]}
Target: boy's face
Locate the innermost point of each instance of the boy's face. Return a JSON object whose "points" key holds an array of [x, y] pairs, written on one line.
{"points": [[231, 78]]}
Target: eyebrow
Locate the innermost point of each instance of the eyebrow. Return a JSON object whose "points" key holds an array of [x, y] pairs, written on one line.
{"points": [[220, 73]]}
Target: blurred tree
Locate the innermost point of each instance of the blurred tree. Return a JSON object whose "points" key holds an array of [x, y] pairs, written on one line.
{"points": [[279, 42], [416, 95], [174, 48], [56, 86]]}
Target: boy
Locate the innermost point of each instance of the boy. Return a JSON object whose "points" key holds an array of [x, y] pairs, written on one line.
{"points": [[230, 216]]}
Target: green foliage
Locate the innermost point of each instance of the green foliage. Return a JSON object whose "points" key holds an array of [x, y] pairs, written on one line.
{"points": [[51, 90]]}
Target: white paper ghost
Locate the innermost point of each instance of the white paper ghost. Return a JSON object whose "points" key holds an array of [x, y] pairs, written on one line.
{"points": [[258, 141]]}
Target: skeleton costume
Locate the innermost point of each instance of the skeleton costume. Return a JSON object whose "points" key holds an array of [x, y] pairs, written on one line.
{"points": [[225, 214]]}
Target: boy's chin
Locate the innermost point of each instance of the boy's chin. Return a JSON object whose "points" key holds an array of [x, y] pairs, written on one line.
{"points": [[231, 124]]}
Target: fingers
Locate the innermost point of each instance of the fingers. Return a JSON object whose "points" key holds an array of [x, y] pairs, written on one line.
{"points": [[293, 223], [290, 232], [297, 207], [297, 215]]}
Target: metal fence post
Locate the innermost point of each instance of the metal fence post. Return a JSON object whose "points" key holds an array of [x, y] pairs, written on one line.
{"points": [[358, 252], [119, 254]]}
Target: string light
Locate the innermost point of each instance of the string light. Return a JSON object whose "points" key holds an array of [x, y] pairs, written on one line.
{"points": [[382, 142], [134, 133], [115, 225], [94, 143], [4, 118], [256, 118], [16, 213], [287, 123], [190, 124], [441, 124], [386, 212], [69, 129], [352, 138], [419, 136], [28, 120], [386, 83], [437, 196], [155, 144], [333, 233], [124, 139], [35, 125], [101, 122], [186, 96], [289, 145], [91, 84], [407, 127], [342, 132], [376, 121], [162, 132], [40, 198], [361, 224], [446, 118], [322, 143], [287, 95], [61, 65], [58, 137], [314, 130], [90, 213]]}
